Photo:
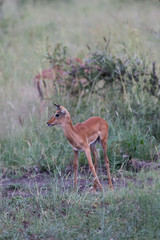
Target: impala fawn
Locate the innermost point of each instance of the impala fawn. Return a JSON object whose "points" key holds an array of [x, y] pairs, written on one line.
{"points": [[83, 137]]}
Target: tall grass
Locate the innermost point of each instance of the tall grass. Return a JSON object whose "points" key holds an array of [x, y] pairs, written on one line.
{"points": [[54, 211], [25, 138]]}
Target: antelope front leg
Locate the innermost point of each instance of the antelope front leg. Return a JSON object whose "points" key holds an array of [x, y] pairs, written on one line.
{"points": [[75, 167], [92, 168]]}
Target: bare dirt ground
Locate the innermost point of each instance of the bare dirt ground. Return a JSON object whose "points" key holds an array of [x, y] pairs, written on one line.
{"points": [[40, 183]]}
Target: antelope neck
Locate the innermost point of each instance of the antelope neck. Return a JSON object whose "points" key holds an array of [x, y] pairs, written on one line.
{"points": [[69, 132]]}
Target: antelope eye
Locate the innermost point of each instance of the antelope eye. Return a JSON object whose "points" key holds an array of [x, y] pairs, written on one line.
{"points": [[57, 115]]}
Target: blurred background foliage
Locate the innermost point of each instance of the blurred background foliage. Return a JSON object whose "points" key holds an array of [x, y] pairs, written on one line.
{"points": [[103, 58]]}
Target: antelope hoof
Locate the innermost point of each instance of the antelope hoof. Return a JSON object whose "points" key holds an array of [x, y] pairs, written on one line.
{"points": [[49, 125]]}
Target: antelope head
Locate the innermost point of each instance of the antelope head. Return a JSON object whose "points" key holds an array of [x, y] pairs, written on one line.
{"points": [[59, 117]]}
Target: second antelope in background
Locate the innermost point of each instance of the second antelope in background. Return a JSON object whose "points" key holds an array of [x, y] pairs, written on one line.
{"points": [[83, 137]]}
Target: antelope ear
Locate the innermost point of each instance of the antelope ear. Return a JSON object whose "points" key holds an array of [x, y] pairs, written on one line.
{"points": [[57, 106]]}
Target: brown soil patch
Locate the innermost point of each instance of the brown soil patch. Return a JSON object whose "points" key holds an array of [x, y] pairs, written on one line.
{"points": [[40, 183]]}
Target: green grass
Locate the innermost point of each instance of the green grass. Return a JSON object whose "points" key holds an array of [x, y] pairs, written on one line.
{"points": [[132, 112], [126, 213]]}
